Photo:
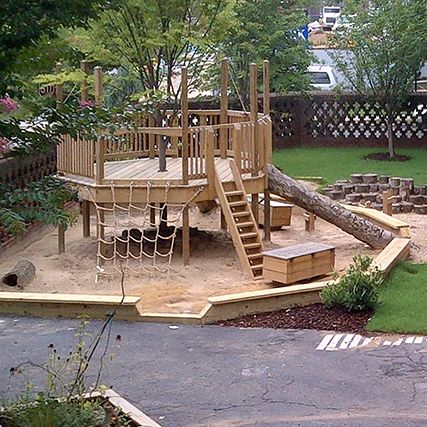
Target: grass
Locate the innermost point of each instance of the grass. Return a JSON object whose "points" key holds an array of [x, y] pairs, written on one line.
{"points": [[339, 163], [403, 306]]}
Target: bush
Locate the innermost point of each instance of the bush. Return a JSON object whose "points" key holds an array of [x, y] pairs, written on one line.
{"points": [[358, 289]]}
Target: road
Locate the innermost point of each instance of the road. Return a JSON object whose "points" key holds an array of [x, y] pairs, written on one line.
{"points": [[216, 376]]}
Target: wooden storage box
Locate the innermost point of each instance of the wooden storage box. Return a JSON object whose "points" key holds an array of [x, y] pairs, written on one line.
{"points": [[298, 262], [280, 214]]}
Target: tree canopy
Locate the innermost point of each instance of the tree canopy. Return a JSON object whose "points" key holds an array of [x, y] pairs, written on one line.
{"points": [[387, 45]]}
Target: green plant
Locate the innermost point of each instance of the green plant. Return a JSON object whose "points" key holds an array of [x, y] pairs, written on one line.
{"points": [[63, 401], [358, 289], [41, 201]]}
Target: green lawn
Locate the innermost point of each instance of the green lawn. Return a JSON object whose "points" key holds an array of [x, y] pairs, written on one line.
{"points": [[403, 307], [339, 163]]}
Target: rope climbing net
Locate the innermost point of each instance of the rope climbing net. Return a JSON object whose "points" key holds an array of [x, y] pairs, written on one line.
{"points": [[135, 236]]}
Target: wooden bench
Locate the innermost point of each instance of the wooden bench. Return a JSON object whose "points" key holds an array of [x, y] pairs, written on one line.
{"points": [[298, 262]]}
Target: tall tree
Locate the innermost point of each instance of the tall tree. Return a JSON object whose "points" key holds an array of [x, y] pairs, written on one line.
{"points": [[152, 38], [23, 22], [267, 29], [382, 52]]}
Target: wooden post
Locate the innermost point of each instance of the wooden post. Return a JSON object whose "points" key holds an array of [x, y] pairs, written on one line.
{"points": [[223, 134], [387, 204], [100, 229], [267, 152], [152, 215], [208, 137], [151, 140], [86, 218], [84, 89], [254, 117], [309, 220], [99, 86], [99, 155], [184, 124], [59, 88]]}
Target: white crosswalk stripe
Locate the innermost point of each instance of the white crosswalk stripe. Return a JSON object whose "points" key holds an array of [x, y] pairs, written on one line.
{"points": [[332, 342]]}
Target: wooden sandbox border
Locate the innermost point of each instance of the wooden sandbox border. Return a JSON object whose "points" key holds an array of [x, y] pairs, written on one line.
{"points": [[218, 308]]}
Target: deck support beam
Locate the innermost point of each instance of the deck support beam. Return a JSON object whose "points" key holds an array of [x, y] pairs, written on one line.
{"points": [[86, 218], [223, 133], [186, 236], [253, 77]]}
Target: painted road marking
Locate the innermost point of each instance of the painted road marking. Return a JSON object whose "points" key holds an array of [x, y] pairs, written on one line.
{"points": [[332, 342], [346, 341], [324, 342], [356, 340], [335, 340]]}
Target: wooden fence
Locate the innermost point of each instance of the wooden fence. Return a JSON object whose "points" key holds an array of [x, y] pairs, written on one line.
{"points": [[19, 171], [329, 119]]}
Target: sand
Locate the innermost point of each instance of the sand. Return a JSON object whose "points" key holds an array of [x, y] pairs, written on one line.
{"points": [[214, 268]]}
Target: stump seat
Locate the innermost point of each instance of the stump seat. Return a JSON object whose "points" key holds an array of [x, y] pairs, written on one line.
{"points": [[298, 262]]}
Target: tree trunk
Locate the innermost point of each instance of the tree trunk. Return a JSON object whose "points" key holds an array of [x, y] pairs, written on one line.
{"points": [[390, 138], [327, 209], [20, 275]]}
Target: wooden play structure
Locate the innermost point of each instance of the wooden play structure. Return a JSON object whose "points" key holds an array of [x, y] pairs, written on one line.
{"points": [[210, 154]]}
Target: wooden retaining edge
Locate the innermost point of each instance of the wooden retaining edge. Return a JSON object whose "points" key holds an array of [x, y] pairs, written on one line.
{"points": [[69, 305], [236, 305], [395, 251], [381, 219], [137, 416]]}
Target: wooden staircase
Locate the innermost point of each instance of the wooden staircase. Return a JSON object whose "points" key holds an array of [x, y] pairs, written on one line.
{"points": [[241, 223]]}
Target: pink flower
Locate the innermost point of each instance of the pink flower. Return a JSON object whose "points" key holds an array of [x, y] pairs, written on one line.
{"points": [[4, 145], [87, 104], [7, 104]]}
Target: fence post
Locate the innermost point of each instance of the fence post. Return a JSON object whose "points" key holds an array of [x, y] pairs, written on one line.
{"points": [[99, 86], [59, 88], [100, 155], [84, 89], [209, 139]]}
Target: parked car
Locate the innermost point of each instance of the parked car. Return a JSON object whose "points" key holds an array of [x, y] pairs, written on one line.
{"points": [[322, 77], [343, 22]]}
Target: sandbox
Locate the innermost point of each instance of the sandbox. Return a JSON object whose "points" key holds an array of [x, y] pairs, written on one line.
{"points": [[214, 270]]}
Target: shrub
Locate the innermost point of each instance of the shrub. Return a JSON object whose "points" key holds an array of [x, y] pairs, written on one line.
{"points": [[358, 289]]}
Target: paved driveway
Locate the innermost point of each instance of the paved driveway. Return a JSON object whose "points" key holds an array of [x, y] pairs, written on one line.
{"points": [[216, 376]]}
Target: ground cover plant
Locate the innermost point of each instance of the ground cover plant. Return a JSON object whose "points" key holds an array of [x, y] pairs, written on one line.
{"points": [[358, 289], [333, 164], [403, 301]]}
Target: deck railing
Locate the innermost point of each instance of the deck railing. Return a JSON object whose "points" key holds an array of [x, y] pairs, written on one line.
{"points": [[248, 142]]}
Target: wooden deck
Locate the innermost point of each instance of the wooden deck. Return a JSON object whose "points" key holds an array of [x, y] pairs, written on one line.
{"points": [[142, 171]]}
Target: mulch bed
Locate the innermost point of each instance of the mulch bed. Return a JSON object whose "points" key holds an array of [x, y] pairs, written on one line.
{"points": [[315, 316], [384, 157]]}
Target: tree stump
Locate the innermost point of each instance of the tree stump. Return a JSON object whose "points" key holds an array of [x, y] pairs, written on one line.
{"points": [[416, 199], [348, 188], [374, 188], [406, 207], [22, 274], [370, 178], [395, 208], [357, 178], [383, 187], [384, 179], [395, 181], [395, 190], [354, 197], [361, 188], [420, 209], [206, 206]]}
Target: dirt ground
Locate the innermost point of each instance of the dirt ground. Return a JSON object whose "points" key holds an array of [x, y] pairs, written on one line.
{"points": [[213, 270]]}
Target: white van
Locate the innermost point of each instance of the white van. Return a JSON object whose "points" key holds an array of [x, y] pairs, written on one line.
{"points": [[330, 15], [322, 77]]}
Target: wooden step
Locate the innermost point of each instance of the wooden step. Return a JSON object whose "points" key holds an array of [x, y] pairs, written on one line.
{"points": [[257, 267], [234, 193], [254, 256], [237, 204], [241, 214], [249, 235], [245, 224], [252, 245]]}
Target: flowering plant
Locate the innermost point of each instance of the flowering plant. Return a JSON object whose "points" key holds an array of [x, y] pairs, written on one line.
{"points": [[7, 105]]}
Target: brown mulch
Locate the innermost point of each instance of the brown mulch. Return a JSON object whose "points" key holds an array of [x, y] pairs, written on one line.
{"points": [[315, 316], [384, 157]]}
